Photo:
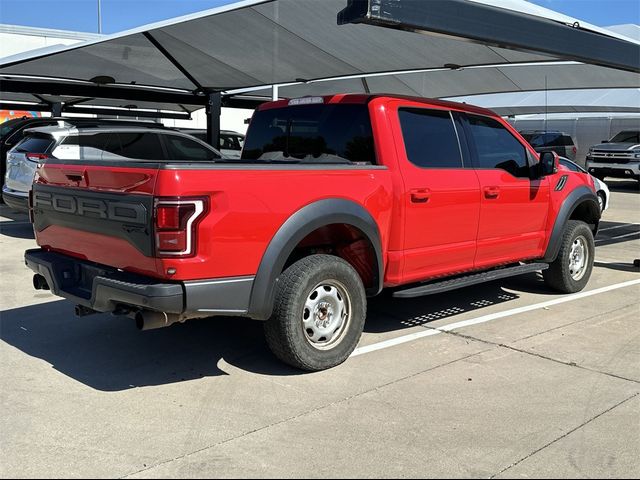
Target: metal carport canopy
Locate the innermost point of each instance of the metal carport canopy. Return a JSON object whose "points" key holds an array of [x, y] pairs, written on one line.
{"points": [[257, 42], [466, 44]]}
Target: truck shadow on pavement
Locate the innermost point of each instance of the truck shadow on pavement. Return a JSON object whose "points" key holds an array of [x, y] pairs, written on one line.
{"points": [[622, 185], [18, 229], [108, 353], [611, 233]]}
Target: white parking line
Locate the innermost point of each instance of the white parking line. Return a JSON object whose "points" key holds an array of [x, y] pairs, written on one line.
{"points": [[487, 318]]}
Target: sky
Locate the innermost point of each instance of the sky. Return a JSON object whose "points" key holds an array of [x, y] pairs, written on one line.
{"points": [[118, 15]]}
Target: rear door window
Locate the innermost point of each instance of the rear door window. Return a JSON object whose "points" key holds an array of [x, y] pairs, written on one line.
{"points": [[430, 138], [553, 140], [496, 147], [35, 143], [82, 147], [182, 148], [136, 145]]}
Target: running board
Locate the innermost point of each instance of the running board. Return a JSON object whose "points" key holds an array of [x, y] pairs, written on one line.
{"points": [[468, 280]]}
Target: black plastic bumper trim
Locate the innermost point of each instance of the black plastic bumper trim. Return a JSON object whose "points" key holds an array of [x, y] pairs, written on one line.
{"points": [[16, 202], [105, 289], [102, 288]]}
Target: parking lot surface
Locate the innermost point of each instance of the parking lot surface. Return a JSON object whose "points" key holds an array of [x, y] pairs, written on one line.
{"points": [[506, 379]]}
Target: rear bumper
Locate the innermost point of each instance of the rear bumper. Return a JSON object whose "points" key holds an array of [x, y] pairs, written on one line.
{"points": [[105, 289], [15, 200], [615, 170]]}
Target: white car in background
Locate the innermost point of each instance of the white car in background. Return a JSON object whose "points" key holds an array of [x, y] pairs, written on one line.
{"points": [[601, 188], [231, 142], [94, 143]]}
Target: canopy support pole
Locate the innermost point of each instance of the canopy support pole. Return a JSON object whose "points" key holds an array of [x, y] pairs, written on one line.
{"points": [[213, 112], [56, 109]]}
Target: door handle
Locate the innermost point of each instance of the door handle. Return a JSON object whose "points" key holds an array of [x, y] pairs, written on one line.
{"points": [[491, 192], [420, 195]]}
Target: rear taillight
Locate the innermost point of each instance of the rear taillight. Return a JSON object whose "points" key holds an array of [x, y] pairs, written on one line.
{"points": [[36, 157], [575, 150], [176, 221]]}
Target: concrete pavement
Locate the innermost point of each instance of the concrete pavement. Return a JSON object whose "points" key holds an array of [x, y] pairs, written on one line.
{"points": [[551, 391]]}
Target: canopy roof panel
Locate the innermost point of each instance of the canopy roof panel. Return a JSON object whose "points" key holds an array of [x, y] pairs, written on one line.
{"points": [[474, 80], [625, 100], [255, 43]]}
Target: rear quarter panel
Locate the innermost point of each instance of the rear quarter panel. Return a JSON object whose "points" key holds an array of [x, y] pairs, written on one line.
{"points": [[249, 203]]}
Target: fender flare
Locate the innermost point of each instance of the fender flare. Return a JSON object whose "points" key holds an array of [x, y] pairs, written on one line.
{"points": [[296, 228], [576, 198]]}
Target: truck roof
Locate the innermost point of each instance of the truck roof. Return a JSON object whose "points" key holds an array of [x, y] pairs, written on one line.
{"points": [[366, 98]]}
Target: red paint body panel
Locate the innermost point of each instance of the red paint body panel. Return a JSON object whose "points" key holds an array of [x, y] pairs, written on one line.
{"points": [[248, 206], [440, 229], [457, 229], [513, 220]]}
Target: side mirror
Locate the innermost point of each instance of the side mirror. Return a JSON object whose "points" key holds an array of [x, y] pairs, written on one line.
{"points": [[548, 164]]}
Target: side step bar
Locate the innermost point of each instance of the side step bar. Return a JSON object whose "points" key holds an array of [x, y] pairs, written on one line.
{"points": [[473, 279]]}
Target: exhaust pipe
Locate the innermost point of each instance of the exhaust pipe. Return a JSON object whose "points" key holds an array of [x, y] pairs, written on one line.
{"points": [[82, 311], [150, 320], [40, 283]]}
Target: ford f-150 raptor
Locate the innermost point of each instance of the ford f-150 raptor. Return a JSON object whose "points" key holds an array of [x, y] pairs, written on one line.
{"points": [[334, 199]]}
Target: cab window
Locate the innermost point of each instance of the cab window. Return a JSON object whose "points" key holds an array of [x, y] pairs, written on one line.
{"points": [[496, 147], [430, 138]]}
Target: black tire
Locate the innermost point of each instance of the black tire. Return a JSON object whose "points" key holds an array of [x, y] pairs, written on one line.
{"points": [[560, 275], [285, 332], [602, 201]]}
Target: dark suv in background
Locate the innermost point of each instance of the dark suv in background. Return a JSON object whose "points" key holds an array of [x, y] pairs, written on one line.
{"points": [[551, 141]]}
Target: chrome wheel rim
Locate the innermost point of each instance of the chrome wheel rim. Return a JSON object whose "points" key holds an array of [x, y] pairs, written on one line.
{"points": [[601, 202], [326, 315], [578, 258]]}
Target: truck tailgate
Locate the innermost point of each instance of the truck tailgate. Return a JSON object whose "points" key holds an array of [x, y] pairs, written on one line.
{"points": [[102, 214]]}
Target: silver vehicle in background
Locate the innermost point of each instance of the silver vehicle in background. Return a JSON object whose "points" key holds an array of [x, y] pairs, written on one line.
{"points": [[94, 143], [617, 158]]}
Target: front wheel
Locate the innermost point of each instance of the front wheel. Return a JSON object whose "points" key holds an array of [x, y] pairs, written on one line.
{"points": [[319, 313], [571, 270]]}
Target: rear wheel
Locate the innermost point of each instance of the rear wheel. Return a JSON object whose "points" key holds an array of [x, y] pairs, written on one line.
{"points": [[571, 270], [318, 315]]}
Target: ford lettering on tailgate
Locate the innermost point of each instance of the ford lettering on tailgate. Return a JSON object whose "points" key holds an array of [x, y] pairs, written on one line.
{"points": [[91, 207], [119, 215]]}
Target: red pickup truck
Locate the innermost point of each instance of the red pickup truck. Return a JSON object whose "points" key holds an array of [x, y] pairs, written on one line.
{"points": [[333, 200]]}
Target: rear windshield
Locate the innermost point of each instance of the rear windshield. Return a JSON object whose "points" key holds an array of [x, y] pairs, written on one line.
{"points": [[547, 139], [311, 134], [34, 144], [626, 137]]}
